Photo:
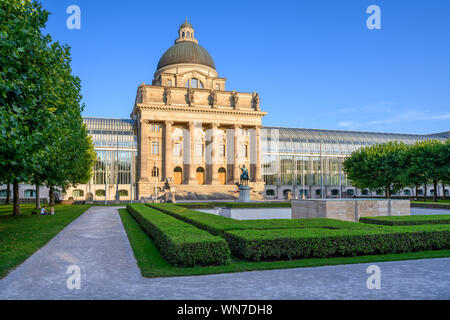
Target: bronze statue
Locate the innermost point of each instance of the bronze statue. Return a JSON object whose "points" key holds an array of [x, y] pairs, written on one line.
{"points": [[244, 176]]}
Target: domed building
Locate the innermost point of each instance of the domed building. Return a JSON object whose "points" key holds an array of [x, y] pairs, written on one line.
{"points": [[189, 132], [192, 132]]}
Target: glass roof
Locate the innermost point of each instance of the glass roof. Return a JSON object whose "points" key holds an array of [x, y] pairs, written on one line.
{"points": [[333, 142], [107, 132]]}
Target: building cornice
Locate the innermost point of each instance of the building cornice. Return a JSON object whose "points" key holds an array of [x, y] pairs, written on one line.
{"points": [[195, 109]]}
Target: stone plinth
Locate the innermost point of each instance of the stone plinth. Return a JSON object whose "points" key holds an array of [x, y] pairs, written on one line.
{"points": [[244, 194], [349, 209]]}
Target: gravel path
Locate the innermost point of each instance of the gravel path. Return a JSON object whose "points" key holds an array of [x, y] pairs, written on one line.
{"points": [[97, 243]]}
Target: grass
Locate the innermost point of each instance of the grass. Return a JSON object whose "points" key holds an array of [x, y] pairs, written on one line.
{"points": [[430, 201], [21, 236], [152, 264]]}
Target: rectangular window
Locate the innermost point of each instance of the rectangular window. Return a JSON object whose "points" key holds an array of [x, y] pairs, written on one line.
{"points": [[217, 86], [199, 150], [169, 83], [177, 150], [155, 148], [244, 153], [154, 127], [222, 150]]}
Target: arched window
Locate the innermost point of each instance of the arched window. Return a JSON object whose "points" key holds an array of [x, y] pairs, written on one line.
{"points": [[182, 34], [406, 192], [77, 193], [123, 193], [270, 192], [100, 193], [365, 192], [194, 83], [318, 192], [420, 192], [188, 34], [350, 192], [335, 192], [29, 193]]}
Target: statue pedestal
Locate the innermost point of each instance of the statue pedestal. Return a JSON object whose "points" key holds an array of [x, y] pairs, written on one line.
{"points": [[244, 194]]}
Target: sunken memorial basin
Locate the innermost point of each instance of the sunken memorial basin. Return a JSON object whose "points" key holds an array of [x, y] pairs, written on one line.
{"points": [[349, 209]]}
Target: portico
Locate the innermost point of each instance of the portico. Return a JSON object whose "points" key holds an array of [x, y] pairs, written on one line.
{"points": [[191, 130]]}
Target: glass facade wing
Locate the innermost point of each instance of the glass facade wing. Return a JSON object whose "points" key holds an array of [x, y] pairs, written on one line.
{"points": [[311, 156]]}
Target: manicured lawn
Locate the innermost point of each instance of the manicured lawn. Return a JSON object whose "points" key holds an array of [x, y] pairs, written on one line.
{"points": [[21, 236], [431, 201], [152, 264]]}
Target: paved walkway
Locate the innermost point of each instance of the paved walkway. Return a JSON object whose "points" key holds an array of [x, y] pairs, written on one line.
{"points": [[98, 244]]}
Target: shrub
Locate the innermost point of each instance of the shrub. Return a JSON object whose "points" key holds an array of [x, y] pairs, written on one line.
{"points": [[180, 243], [408, 220], [217, 225], [319, 242]]}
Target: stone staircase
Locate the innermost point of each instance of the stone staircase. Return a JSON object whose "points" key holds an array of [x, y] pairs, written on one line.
{"points": [[211, 192], [206, 192]]}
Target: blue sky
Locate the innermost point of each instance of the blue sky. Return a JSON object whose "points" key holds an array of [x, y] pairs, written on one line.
{"points": [[314, 63]]}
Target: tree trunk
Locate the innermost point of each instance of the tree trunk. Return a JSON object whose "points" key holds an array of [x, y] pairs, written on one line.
{"points": [[424, 192], [51, 194], [16, 204], [8, 194], [435, 191], [443, 190], [388, 192], [38, 196], [417, 190]]}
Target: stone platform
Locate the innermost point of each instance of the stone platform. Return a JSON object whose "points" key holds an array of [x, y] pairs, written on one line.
{"points": [[349, 209]]}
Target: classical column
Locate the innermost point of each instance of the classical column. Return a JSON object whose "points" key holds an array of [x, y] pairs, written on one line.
{"points": [[192, 178], [168, 150], [214, 153], [143, 150], [236, 170], [258, 153]]}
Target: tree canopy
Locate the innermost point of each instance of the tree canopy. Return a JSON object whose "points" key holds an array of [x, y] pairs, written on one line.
{"points": [[393, 166], [43, 139]]}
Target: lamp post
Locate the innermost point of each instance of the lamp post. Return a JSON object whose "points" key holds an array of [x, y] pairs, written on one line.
{"points": [[155, 173], [117, 197], [321, 170]]}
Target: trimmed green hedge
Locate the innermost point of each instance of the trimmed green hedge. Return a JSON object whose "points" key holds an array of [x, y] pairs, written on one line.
{"points": [[217, 225], [212, 205], [408, 220], [319, 242], [180, 243]]}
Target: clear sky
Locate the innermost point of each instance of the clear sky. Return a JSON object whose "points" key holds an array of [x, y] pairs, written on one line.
{"points": [[314, 62]]}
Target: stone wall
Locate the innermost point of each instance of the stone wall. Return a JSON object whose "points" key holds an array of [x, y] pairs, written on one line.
{"points": [[348, 210]]}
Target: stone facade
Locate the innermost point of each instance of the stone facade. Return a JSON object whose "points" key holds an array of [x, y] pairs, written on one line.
{"points": [[191, 131], [349, 210]]}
